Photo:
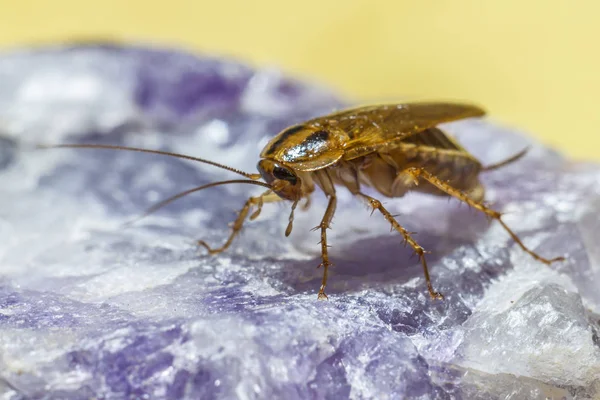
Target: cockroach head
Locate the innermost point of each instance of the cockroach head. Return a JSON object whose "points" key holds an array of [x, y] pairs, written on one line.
{"points": [[283, 181]]}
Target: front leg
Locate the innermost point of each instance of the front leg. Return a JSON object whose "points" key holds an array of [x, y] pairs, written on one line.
{"points": [[324, 225], [266, 197]]}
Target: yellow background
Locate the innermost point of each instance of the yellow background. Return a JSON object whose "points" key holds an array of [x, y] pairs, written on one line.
{"points": [[534, 64]]}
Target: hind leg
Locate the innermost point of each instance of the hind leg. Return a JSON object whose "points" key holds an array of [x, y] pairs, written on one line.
{"points": [[423, 174]]}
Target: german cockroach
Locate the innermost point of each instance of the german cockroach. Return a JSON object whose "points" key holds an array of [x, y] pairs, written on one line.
{"points": [[391, 148]]}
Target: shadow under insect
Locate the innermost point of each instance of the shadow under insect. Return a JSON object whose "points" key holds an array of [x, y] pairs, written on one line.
{"points": [[385, 263]]}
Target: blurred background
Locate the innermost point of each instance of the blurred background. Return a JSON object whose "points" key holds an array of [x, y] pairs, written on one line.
{"points": [[532, 64]]}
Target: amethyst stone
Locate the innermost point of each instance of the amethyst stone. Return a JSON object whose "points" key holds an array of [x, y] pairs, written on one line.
{"points": [[89, 309]]}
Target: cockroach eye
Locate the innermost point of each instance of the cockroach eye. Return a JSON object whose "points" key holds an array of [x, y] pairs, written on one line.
{"points": [[284, 174]]}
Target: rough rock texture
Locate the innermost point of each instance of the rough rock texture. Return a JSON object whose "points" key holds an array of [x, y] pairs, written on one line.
{"points": [[89, 309]]}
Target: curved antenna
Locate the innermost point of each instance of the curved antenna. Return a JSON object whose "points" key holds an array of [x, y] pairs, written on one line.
{"points": [[169, 200], [166, 153]]}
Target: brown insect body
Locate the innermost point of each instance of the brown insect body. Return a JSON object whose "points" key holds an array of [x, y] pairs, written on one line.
{"points": [[374, 145], [391, 148]]}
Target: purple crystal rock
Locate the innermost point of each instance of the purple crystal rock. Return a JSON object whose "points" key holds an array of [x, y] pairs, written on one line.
{"points": [[89, 309]]}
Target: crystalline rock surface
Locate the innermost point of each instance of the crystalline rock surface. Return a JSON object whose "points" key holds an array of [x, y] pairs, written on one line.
{"points": [[90, 308]]}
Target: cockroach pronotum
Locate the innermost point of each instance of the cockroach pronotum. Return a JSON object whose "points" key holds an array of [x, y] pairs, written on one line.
{"points": [[392, 148]]}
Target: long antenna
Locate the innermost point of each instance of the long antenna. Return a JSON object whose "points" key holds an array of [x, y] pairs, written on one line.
{"points": [[169, 200], [166, 153]]}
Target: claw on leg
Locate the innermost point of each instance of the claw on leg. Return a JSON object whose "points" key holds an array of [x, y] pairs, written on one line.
{"points": [[434, 295], [322, 295]]}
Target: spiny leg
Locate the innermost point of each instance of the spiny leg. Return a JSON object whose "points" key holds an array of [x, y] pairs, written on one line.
{"points": [[267, 197], [376, 204], [422, 173], [324, 225]]}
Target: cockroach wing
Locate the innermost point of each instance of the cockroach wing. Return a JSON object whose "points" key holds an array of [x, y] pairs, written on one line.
{"points": [[373, 128]]}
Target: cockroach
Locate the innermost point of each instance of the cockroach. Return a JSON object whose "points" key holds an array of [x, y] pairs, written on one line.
{"points": [[394, 149]]}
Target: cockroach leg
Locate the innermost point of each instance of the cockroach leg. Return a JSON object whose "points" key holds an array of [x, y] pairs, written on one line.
{"points": [[306, 204], [259, 206], [422, 173], [376, 204], [323, 226], [267, 197]]}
